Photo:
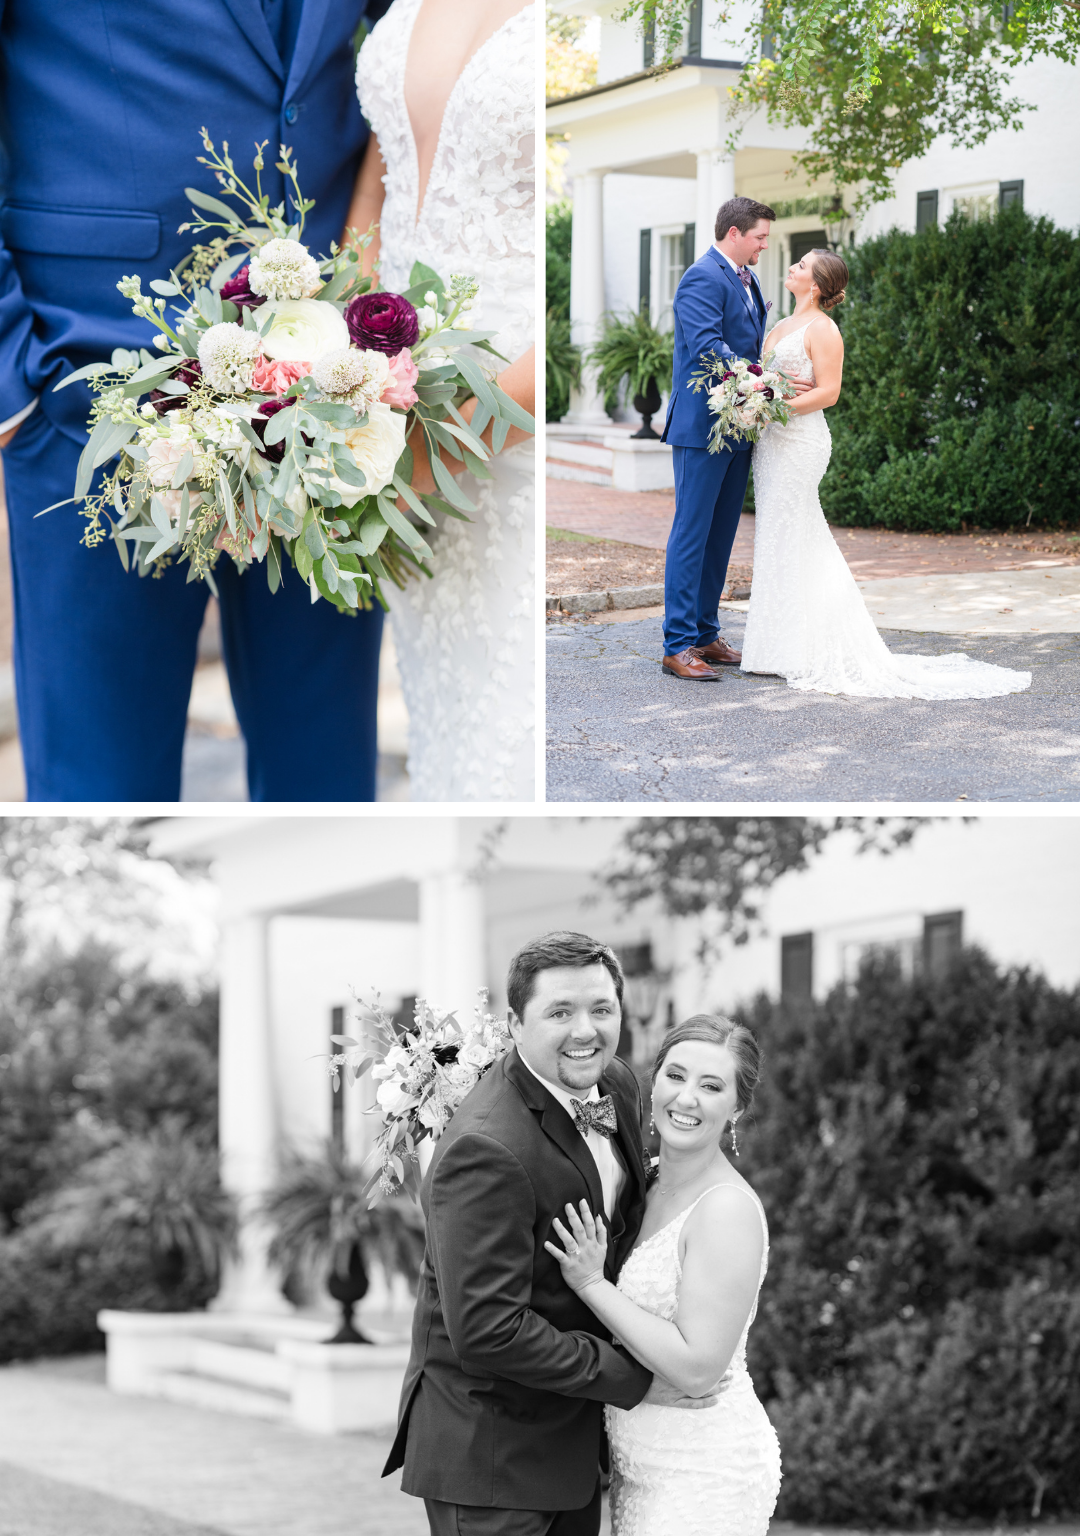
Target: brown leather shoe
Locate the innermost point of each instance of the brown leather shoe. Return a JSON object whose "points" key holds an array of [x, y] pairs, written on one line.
{"points": [[689, 664], [718, 652]]}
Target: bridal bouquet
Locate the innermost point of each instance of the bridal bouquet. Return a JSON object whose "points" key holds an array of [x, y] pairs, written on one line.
{"points": [[744, 397], [423, 1073], [274, 416]]}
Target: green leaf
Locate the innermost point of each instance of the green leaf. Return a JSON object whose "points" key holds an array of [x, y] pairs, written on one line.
{"points": [[160, 517], [273, 563], [185, 509], [167, 290], [89, 372], [413, 499], [313, 538], [514, 412], [211, 205], [183, 470], [401, 525], [449, 487]]}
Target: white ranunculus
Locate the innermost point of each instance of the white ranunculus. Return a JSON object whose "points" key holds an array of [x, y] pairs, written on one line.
{"points": [[375, 448], [302, 330], [392, 1098]]}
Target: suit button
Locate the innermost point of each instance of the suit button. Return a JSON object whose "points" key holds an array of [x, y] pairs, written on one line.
{"points": [[292, 112]]}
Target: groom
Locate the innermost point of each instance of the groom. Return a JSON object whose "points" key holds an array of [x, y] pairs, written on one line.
{"points": [[718, 308], [502, 1407], [99, 134]]}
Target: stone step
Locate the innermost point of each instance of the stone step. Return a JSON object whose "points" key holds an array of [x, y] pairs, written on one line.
{"points": [[591, 454], [558, 471], [199, 1391], [243, 1364]]}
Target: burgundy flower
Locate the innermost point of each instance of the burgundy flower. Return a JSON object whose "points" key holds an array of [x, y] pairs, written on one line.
{"points": [[382, 322], [236, 290], [189, 373], [725, 376], [275, 452], [768, 393], [755, 368]]}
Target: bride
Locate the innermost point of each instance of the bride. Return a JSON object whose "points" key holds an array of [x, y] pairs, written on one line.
{"points": [[447, 86], [808, 621], [684, 1303]]}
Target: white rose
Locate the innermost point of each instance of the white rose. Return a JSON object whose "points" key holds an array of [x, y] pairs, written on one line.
{"points": [[375, 448], [392, 1098], [302, 330]]}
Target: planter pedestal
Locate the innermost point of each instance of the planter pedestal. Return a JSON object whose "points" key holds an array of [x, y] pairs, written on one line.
{"points": [[341, 1387], [640, 464]]}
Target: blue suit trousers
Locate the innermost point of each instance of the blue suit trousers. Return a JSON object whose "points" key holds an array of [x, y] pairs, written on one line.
{"points": [[104, 659], [709, 491]]}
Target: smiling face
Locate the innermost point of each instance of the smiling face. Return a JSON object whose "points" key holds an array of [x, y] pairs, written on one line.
{"points": [[800, 277], [571, 1025], [694, 1095], [745, 249]]}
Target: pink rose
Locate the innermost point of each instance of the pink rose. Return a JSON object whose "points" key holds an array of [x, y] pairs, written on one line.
{"points": [[270, 377], [403, 375]]}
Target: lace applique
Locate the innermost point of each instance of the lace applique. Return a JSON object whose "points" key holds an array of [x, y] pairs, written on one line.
{"points": [[465, 639], [691, 1472], [807, 621]]}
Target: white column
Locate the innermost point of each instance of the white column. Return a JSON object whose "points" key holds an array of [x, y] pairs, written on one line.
{"points": [[715, 185], [587, 291], [248, 1122], [452, 962]]}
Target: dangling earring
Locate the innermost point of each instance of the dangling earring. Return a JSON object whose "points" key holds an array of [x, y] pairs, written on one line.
{"points": [[734, 1139], [652, 1123]]}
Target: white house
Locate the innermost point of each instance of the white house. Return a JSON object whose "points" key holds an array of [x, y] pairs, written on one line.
{"points": [[649, 164], [318, 909]]}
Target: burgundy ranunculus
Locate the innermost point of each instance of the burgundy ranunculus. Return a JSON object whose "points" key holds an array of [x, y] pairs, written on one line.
{"points": [[275, 452], [382, 322], [236, 290], [189, 373], [755, 368], [725, 376], [768, 393]]}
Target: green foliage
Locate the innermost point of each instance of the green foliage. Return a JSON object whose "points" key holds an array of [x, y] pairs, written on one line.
{"points": [[563, 358], [918, 1341], [631, 349], [961, 399], [318, 1209]]}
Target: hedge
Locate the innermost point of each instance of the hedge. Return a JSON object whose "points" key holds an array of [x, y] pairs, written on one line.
{"points": [[961, 399], [917, 1149]]}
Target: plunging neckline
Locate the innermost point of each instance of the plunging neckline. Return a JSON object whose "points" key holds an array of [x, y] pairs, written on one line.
{"points": [[421, 202], [787, 337]]}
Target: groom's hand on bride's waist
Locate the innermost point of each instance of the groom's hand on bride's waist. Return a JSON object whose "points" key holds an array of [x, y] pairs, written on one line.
{"points": [[662, 1394]]}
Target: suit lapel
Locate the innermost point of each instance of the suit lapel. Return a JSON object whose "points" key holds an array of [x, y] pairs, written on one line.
{"points": [[557, 1125], [628, 1139], [312, 20], [248, 15]]}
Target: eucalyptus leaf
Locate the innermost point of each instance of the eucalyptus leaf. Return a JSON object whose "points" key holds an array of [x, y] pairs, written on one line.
{"points": [[211, 205], [449, 487], [167, 290]]}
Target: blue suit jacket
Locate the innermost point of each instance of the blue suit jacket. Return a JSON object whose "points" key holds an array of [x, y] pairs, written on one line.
{"points": [[100, 111], [711, 315]]}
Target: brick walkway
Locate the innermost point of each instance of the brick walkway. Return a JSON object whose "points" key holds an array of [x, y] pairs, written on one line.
{"points": [[645, 517]]}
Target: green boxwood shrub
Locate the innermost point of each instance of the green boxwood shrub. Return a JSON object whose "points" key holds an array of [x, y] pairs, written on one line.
{"points": [[917, 1148], [961, 400]]}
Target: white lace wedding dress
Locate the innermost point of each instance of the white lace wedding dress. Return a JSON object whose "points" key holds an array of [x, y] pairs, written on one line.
{"points": [[808, 622], [465, 640], [691, 1471]]}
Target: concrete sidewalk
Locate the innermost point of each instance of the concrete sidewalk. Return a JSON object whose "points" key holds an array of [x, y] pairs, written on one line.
{"points": [[619, 729]]}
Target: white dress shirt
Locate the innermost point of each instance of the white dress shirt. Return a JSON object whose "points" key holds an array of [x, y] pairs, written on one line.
{"points": [[748, 292], [20, 416], [607, 1165]]}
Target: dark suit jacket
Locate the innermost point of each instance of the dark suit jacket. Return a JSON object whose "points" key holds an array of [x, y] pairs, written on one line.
{"points": [[711, 315], [502, 1401]]}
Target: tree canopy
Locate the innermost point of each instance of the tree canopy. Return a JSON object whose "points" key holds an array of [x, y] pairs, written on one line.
{"points": [[876, 82]]}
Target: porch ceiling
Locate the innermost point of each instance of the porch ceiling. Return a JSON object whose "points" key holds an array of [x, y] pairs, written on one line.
{"points": [[682, 166], [394, 901]]}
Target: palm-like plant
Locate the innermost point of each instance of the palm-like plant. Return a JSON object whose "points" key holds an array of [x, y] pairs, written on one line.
{"points": [[634, 349], [563, 365], [320, 1220], [165, 1185]]}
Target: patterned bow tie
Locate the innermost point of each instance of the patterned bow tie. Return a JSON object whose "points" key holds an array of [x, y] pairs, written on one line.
{"points": [[744, 277], [597, 1115]]}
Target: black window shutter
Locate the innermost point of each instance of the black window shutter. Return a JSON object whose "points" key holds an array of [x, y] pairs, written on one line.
{"points": [[925, 211], [645, 271], [650, 44], [693, 30], [943, 938], [797, 967], [1010, 192], [689, 235]]}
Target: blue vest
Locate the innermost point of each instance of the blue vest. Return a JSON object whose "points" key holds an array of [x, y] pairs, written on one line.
{"points": [[711, 315], [100, 123]]}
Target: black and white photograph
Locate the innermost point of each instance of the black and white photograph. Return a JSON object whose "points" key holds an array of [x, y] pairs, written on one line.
{"points": [[657, 1176]]}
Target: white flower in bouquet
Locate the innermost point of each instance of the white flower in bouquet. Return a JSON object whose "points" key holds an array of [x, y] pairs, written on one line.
{"points": [[227, 354], [428, 317], [283, 269], [164, 454], [352, 375], [393, 1098], [302, 330], [375, 448], [220, 427]]}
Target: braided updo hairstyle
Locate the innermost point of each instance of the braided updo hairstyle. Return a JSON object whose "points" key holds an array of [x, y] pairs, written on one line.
{"points": [[831, 277]]}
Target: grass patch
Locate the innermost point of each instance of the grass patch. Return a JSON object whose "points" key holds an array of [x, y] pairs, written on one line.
{"points": [[564, 536]]}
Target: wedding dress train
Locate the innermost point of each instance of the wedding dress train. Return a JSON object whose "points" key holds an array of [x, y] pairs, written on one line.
{"points": [[465, 640], [808, 622], [691, 1471]]}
